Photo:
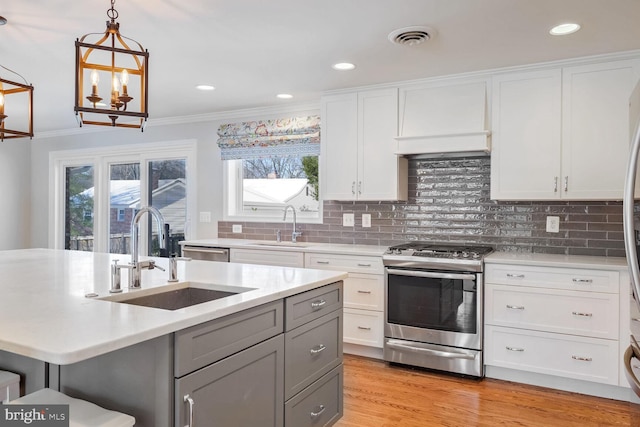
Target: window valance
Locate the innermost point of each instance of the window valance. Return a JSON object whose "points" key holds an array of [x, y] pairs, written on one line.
{"points": [[295, 136]]}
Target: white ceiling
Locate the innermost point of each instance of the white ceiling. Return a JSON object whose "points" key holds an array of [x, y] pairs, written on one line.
{"points": [[251, 50]]}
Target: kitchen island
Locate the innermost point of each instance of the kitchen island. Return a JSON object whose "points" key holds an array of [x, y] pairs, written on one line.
{"points": [[57, 331]]}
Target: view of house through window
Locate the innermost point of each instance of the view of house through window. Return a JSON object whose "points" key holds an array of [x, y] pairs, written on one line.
{"points": [[267, 185], [78, 203]]}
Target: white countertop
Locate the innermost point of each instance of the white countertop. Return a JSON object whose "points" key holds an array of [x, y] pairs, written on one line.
{"points": [[45, 315], [553, 260], [312, 247]]}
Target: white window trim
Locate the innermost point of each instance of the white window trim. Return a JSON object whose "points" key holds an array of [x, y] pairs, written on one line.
{"points": [[101, 158], [232, 194]]}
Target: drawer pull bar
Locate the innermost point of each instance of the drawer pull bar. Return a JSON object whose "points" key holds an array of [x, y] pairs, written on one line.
{"points": [[515, 307], [577, 313], [189, 400], [322, 262], [582, 280], [316, 305], [514, 348], [515, 276], [364, 292], [364, 328], [318, 349], [363, 265], [582, 359], [321, 409]]}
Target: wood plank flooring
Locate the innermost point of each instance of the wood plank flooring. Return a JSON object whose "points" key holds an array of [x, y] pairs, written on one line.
{"points": [[377, 395]]}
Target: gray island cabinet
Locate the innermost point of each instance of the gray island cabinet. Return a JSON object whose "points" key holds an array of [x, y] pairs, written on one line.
{"points": [[277, 364]]}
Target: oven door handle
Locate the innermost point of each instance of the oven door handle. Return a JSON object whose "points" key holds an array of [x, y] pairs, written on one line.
{"points": [[431, 274], [401, 345]]}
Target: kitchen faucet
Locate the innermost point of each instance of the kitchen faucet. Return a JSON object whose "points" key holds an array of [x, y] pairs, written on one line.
{"points": [[136, 266], [294, 234]]}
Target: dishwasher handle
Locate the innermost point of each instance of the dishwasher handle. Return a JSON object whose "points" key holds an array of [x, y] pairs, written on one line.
{"points": [[206, 253]]}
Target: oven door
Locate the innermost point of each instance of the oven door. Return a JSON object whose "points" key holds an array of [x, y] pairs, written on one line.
{"points": [[434, 307]]}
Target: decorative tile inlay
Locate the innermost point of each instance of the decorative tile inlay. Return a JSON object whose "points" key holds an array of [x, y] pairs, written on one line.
{"points": [[449, 200]]}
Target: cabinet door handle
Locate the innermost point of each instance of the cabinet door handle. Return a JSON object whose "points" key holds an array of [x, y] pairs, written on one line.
{"points": [[364, 292], [577, 313], [582, 280], [566, 184], [317, 349], [321, 409], [364, 328], [189, 400], [353, 188], [515, 307], [582, 359], [514, 348], [364, 265], [322, 262], [359, 187], [316, 305], [515, 276], [555, 184]]}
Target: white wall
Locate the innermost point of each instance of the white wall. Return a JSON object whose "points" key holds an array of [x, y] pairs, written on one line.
{"points": [[209, 165], [15, 185]]}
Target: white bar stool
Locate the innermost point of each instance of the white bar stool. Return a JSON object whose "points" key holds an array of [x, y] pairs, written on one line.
{"points": [[9, 386], [81, 412]]}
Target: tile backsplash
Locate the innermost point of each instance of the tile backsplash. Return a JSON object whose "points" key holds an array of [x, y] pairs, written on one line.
{"points": [[449, 200]]}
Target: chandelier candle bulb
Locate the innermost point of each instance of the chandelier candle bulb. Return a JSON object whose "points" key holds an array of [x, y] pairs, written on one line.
{"points": [[124, 79], [95, 78]]}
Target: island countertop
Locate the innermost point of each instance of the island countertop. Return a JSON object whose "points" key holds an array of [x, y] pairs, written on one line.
{"points": [[45, 313]]}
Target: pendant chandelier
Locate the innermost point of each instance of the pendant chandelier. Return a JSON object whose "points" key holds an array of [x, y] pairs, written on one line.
{"points": [[121, 69], [16, 108]]}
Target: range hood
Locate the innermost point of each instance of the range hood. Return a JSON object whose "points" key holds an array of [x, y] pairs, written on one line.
{"points": [[463, 144], [444, 120]]}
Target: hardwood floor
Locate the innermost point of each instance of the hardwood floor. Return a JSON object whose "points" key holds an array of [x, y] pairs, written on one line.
{"points": [[377, 395]]}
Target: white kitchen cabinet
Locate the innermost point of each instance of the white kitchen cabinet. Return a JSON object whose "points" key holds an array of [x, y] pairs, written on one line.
{"points": [[561, 133], [268, 257], [558, 321], [363, 299], [358, 131]]}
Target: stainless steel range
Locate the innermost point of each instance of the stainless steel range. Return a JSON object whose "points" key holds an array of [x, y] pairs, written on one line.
{"points": [[434, 296]]}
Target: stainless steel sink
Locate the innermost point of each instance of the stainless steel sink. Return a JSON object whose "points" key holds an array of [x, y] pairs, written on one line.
{"points": [[175, 297]]}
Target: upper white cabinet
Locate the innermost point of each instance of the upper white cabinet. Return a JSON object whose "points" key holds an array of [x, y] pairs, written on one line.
{"points": [[561, 133], [358, 148], [443, 117]]}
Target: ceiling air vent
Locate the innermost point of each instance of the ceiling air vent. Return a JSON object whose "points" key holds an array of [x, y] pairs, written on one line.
{"points": [[411, 36]]}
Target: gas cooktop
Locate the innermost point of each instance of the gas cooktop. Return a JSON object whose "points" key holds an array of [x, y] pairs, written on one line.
{"points": [[436, 255]]}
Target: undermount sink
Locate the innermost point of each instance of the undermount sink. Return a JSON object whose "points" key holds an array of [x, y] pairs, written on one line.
{"points": [[281, 244], [175, 297]]}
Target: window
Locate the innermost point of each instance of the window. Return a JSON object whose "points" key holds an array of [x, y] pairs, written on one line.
{"points": [[97, 193], [259, 189]]}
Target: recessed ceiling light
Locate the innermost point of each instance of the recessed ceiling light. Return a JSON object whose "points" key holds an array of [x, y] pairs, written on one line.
{"points": [[564, 29], [3, 20], [205, 87], [284, 96], [343, 66]]}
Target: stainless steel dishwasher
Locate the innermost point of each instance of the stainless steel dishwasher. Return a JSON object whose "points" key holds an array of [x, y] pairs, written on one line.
{"points": [[206, 253]]}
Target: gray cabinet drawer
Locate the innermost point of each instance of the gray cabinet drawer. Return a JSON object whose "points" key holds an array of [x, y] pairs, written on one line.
{"points": [[243, 390], [209, 342], [311, 351], [310, 305], [319, 405]]}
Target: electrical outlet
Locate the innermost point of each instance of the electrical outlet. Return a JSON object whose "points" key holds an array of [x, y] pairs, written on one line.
{"points": [[366, 220], [205, 216], [553, 224], [348, 220], [236, 228]]}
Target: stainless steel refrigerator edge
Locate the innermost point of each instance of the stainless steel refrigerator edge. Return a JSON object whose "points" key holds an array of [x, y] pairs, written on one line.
{"points": [[632, 354]]}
